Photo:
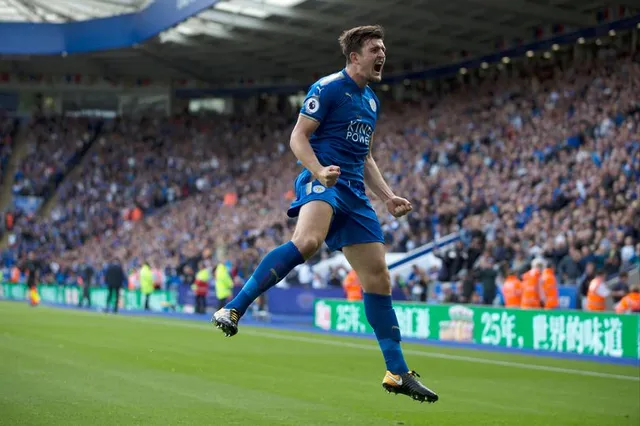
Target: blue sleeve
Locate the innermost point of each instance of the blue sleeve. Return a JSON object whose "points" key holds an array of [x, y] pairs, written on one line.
{"points": [[318, 102]]}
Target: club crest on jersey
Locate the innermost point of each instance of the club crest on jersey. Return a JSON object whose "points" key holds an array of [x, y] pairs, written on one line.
{"points": [[373, 105], [312, 104], [318, 189]]}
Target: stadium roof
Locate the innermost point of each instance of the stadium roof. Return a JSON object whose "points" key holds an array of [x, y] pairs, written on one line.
{"points": [[296, 38], [64, 10]]}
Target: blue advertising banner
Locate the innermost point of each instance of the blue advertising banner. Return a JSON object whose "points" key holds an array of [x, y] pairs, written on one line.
{"points": [[116, 32], [568, 296], [300, 301], [281, 301]]}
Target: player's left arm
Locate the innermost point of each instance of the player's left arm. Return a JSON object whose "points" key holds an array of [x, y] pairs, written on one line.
{"points": [[397, 206]]}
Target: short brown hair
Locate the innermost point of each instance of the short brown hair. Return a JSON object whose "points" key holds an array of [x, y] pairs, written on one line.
{"points": [[352, 40]]}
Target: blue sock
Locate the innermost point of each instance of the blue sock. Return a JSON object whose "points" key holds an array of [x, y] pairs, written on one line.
{"points": [[274, 267], [384, 322]]}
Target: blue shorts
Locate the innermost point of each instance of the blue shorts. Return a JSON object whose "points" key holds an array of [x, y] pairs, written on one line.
{"points": [[354, 219]]}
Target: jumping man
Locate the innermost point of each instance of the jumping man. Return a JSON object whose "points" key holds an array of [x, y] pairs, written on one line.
{"points": [[332, 139]]}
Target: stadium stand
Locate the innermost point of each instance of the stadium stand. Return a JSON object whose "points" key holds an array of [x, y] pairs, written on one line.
{"points": [[527, 160], [54, 145], [530, 164], [7, 134]]}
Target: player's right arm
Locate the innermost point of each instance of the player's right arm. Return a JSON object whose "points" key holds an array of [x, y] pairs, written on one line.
{"points": [[311, 115], [301, 146]]}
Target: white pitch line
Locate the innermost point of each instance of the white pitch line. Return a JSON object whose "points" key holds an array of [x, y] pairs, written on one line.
{"points": [[448, 356], [342, 343]]}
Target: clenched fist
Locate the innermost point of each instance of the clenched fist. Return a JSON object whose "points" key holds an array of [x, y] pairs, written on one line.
{"points": [[398, 206], [328, 176]]}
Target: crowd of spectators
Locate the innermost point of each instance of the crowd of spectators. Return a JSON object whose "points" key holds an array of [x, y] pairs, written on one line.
{"points": [[7, 127], [136, 168], [53, 143], [543, 162]]}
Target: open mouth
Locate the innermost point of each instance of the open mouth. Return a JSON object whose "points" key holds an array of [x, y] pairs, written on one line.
{"points": [[377, 67]]}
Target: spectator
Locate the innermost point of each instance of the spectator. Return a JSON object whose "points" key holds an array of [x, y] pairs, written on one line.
{"points": [[631, 302], [418, 283], [114, 278], [569, 267], [146, 283], [201, 288], [620, 289], [452, 262], [612, 261], [449, 295], [224, 285], [487, 274], [627, 252], [598, 293], [588, 276], [352, 286]]}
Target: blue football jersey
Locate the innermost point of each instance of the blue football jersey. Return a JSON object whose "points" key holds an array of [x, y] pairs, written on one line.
{"points": [[347, 115]]}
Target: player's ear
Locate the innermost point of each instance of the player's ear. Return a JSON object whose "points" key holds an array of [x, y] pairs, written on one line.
{"points": [[354, 57]]}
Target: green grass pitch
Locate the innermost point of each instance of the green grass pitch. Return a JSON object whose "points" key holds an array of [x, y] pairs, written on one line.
{"points": [[62, 367]]}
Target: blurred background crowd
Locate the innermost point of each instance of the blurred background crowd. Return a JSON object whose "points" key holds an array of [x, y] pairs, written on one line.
{"points": [[540, 164]]}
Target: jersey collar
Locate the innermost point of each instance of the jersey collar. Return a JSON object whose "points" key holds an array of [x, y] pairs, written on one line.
{"points": [[352, 81]]}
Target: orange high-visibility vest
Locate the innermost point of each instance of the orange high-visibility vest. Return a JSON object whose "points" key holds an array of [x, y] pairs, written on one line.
{"points": [[531, 290], [550, 289], [512, 292], [629, 303], [352, 286], [15, 275], [595, 302]]}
